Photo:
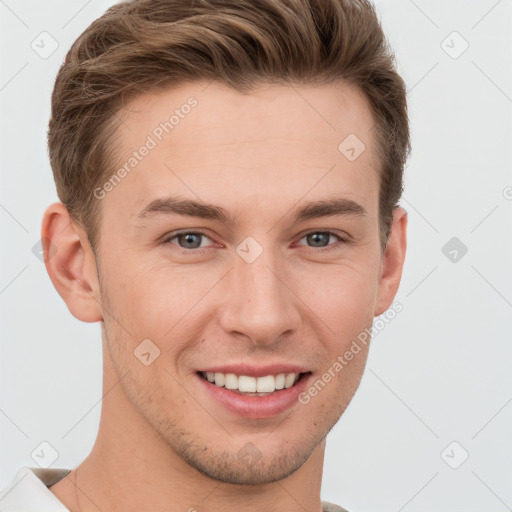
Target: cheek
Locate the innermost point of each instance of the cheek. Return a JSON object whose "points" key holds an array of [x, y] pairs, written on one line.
{"points": [[163, 299], [130, 303], [159, 303], [146, 296], [343, 295]]}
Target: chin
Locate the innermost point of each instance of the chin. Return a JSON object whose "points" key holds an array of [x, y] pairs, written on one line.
{"points": [[252, 459], [230, 468]]}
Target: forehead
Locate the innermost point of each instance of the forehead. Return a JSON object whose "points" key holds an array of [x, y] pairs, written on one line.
{"points": [[206, 139], [331, 111]]}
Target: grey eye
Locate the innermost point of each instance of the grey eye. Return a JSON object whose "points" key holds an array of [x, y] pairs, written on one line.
{"points": [[318, 238], [190, 240]]}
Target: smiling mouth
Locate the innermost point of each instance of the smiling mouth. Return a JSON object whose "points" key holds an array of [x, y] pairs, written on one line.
{"points": [[253, 386]]}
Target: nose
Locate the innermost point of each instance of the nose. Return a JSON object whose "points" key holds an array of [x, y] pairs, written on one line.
{"points": [[260, 302]]}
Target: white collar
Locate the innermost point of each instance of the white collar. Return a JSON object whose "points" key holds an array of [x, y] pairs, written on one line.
{"points": [[29, 491]]}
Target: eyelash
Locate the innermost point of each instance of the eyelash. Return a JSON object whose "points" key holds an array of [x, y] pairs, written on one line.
{"points": [[199, 249]]}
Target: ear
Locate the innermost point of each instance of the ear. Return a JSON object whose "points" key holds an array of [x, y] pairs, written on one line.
{"points": [[392, 262], [70, 263]]}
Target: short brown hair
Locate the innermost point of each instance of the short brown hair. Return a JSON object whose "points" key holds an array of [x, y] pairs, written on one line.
{"points": [[139, 46]]}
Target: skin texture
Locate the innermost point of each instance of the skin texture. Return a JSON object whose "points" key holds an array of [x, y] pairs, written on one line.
{"points": [[163, 443]]}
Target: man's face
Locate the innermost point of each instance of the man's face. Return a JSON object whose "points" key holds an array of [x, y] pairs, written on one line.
{"points": [[267, 290]]}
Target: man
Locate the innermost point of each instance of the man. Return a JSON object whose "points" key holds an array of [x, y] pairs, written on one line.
{"points": [[229, 173]]}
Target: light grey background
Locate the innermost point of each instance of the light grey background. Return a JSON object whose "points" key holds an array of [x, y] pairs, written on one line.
{"points": [[438, 373]]}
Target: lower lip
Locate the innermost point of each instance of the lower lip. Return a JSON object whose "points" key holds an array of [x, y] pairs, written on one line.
{"points": [[257, 407]]}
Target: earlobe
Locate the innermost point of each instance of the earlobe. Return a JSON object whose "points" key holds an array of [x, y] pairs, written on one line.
{"points": [[70, 263], [392, 262]]}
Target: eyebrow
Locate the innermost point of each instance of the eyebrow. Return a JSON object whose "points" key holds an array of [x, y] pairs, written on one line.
{"points": [[176, 206]]}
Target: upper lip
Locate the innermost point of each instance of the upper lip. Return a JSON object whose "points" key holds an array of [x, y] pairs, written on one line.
{"points": [[256, 371]]}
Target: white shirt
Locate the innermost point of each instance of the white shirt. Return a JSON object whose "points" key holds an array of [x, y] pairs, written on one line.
{"points": [[28, 492]]}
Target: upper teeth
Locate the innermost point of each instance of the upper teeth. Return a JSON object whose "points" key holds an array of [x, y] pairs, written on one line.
{"points": [[247, 384]]}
